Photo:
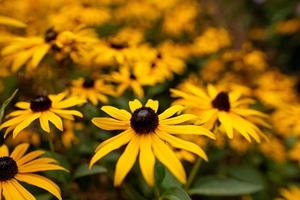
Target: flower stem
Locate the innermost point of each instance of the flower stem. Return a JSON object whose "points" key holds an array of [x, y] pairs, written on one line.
{"points": [[193, 174], [51, 145]]}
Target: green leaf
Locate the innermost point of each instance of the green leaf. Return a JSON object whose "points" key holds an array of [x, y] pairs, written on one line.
{"points": [[174, 194], [83, 170], [5, 104], [246, 173], [221, 186]]}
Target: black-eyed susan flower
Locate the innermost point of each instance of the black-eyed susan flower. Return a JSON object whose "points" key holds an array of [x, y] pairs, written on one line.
{"points": [[150, 135], [229, 109], [28, 50], [20, 167], [45, 108], [94, 90]]}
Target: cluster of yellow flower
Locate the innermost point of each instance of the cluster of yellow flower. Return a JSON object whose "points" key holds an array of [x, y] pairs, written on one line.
{"points": [[99, 52]]}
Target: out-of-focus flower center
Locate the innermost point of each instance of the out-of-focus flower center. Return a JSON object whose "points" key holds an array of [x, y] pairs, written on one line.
{"points": [[40, 103], [221, 102], [8, 168], [144, 120], [88, 83], [132, 77], [118, 46], [50, 35]]}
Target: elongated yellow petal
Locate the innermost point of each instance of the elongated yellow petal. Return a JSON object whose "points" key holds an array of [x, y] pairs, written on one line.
{"points": [[39, 55], [14, 121], [44, 122], [25, 123], [147, 159], [212, 92], [40, 182], [116, 113], [4, 151], [70, 102], [137, 89], [55, 120], [19, 151], [30, 156], [182, 144], [186, 129], [112, 145], [58, 97], [170, 112], [135, 104], [26, 195], [23, 105], [248, 112], [110, 124], [167, 157], [11, 22], [126, 160], [10, 192], [178, 120], [226, 123], [30, 168], [63, 113], [21, 58], [152, 104], [18, 112]]}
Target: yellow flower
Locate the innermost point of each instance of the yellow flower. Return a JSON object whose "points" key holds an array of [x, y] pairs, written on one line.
{"points": [[293, 193], [150, 135], [20, 167], [287, 27], [25, 136], [30, 50], [273, 149], [92, 90], [45, 108], [228, 108], [69, 138], [294, 153]]}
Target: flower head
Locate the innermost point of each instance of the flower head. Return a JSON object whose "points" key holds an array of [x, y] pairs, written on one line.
{"points": [[150, 135], [45, 108], [228, 108], [20, 167]]}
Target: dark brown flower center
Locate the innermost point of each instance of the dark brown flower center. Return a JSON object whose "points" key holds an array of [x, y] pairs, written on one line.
{"points": [[50, 35], [132, 77], [40, 103], [144, 120], [8, 168], [221, 102], [88, 83], [118, 46]]}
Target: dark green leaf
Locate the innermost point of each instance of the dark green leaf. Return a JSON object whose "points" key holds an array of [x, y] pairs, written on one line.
{"points": [[221, 186], [174, 194], [83, 170]]}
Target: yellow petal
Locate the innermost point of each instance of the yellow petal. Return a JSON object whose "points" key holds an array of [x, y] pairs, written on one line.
{"points": [[178, 120], [112, 145], [182, 144], [30, 168], [110, 124], [39, 55], [56, 120], [147, 159], [30, 156], [19, 151], [11, 22], [44, 122], [21, 58], [64, 113], [226, 123], [10, 192], [3, 151], [40, 182], [137, 89], [167, 157], [152, 104], [135, 104], [26, 195], [116, 113], [25, 123], [23, 105], [186, 129], [126, 160], [212, 92], [170, 112]]}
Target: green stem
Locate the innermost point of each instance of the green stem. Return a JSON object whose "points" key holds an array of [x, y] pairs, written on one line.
{"points": [[193, 174], [51, 145]]}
